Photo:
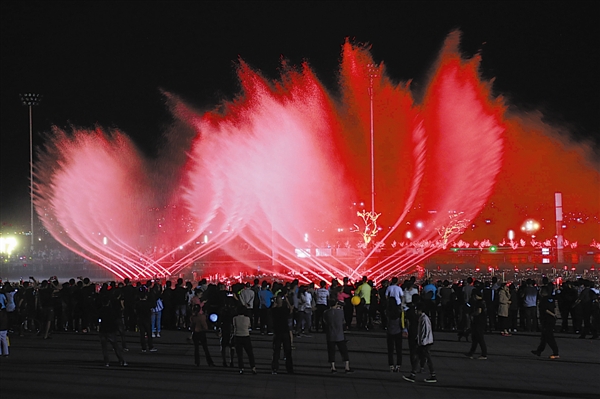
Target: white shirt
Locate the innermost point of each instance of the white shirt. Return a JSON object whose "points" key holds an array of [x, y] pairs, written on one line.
{"points": [[394, 291]]}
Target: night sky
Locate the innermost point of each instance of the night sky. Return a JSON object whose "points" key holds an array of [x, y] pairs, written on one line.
{"points": [[104, 63]]}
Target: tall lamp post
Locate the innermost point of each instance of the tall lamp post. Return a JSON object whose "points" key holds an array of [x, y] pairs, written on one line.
{"points": [[29, 100], [373, 69]]}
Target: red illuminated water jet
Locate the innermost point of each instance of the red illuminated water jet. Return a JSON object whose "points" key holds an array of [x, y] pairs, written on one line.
{"points": [[278, 171]]}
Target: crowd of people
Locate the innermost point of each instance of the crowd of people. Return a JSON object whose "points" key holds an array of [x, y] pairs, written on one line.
{"points": [[405, 309]]}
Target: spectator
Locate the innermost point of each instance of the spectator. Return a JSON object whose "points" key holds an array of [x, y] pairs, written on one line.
{"points": [[478, 315], [281, 312], [143, 309], [424, 341], [334, 323], [199, 327], [394, 334], [241, 333], [548, 321], [503, 309], [108, 330]]}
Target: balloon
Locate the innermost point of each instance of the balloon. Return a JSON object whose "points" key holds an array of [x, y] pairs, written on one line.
{"points": [[356, 300]]}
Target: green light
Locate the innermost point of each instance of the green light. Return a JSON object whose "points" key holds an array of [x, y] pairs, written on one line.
{"points": [[493, 248], [454, 249]]}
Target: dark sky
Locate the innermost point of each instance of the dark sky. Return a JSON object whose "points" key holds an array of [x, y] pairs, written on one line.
{"points": [[105, 62]]}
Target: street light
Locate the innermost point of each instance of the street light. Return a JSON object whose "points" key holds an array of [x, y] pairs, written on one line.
{"points": [[373, 73], [29, 100]]}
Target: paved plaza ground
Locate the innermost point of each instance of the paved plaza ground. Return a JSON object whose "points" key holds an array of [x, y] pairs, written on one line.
{"points": [[70, 365]]}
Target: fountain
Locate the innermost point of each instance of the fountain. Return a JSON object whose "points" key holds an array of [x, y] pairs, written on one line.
{"points": [[277, 173]]}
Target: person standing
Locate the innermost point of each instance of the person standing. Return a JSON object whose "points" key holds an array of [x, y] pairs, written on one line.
{"points": [[157, 310], [503, 309], [247, 299], [478, 324], [363, 291], [304, 311], [281, 312], [109, 326], [530, 294], [394, 334], [394, 291], [347, 291], [199, 327], [548, 321], [321, 300], [241, 334], [333, 319], [3, 326], [424, 343], [225, 323], [265, 297], [490, 296], [143, 310]]}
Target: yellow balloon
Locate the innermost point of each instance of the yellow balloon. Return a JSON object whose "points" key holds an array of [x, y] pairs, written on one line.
{"points": [[356, 300]]}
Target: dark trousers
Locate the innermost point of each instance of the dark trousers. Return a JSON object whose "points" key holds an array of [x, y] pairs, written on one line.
{"points": [[531, 322], [244, 344], [422, 356], [121, 331], [513, 318], [565, 308], [110, 338], [145, 327], [348, 313], [394, 341], [448, 316], [199, 338], [362, 315], [265, 320], [343, 348], [319, 317], [477, 338], [284, 339], [586, 311], [548, 338], [255, 318]]}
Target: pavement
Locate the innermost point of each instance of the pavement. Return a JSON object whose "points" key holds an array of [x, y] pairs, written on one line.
{"points": [[70, 365]]}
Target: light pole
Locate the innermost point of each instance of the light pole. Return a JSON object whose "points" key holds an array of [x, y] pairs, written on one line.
{"points": [[373, 69], [29, 100]]}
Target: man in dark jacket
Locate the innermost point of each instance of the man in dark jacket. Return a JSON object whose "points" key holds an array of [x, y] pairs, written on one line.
{"points": [[143, 310], [547, 309], [108, 330]]}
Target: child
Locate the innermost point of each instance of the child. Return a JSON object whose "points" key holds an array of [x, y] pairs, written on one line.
{"points": [[424, 342]]}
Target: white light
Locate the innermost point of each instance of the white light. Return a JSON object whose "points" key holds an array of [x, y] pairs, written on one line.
{"points": [[419, 225], [7, 245], [205, 239], [305, 237], [409, 235], [105, 240], [511, 235]]}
